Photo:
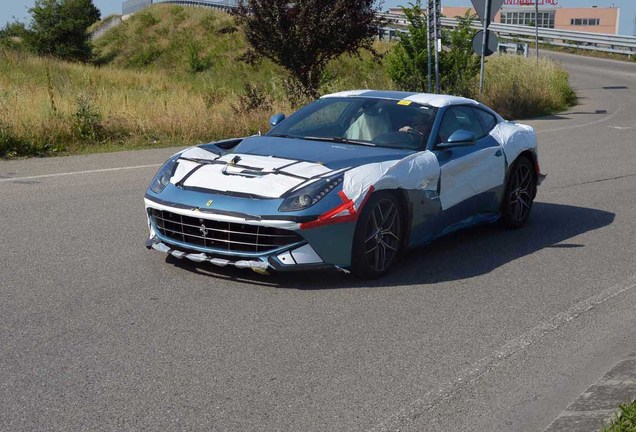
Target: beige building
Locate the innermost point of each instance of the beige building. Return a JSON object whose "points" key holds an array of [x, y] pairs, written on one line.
{"points": [[594, 19]]}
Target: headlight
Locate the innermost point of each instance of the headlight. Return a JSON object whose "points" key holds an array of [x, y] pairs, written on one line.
{"points": [[164, 175], [311, 194]]}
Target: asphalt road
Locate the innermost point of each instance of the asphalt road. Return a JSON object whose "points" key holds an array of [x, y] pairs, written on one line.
{"points": [[486, 330]]}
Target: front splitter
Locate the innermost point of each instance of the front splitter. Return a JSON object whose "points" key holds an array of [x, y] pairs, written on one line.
{"points": [[158, 245]]}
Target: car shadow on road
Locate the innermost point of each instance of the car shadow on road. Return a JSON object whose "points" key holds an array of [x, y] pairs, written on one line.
{"points": [[461, 255]]}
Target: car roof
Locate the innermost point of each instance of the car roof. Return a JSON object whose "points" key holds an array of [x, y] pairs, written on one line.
{"points": [[435, 100]]}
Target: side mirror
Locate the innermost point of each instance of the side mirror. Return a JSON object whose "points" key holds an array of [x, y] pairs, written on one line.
{"points": [[459, 138], [276, 119]]}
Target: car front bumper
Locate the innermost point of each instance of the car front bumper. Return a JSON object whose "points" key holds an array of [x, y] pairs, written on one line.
{"points": [[324, 247]]}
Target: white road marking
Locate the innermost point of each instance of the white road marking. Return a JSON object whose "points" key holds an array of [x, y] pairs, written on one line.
{"points": [[12, 179], [432, 398], [621, 127]]}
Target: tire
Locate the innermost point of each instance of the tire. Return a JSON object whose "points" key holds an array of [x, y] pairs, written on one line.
{"points": [[521, 188], [378, 237]]}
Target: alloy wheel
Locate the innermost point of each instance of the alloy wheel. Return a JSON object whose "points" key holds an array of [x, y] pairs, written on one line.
{"points": [[383, 235], [521, 191]]}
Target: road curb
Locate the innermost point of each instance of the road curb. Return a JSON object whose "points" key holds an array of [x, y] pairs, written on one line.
{"points": [[595, 407]]}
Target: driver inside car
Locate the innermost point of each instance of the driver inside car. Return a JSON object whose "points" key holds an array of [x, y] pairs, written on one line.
{"points": [[420, 123]]}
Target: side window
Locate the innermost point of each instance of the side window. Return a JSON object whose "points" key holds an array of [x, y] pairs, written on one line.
{"points": [[459, 117], [488, 121]]}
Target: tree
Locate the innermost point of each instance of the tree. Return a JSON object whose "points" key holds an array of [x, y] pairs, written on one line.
{"points": [[303, 36], [12, 35], [59, 28], [407, 63], [460, 65]]}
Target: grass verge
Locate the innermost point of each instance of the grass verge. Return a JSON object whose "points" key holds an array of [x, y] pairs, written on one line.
{"points": [[519, 88], [624, 420]]}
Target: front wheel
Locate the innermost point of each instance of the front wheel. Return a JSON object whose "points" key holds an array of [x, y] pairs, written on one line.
{"points": [[378, 237], [519, 194]]}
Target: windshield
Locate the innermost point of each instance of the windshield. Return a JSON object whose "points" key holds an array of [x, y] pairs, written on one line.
{"points": [[363, 121]]}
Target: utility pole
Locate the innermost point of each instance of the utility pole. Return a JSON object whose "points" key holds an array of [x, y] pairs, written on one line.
{"points": [[436, 41], [429, 11], [484, 46], [536, 27]]}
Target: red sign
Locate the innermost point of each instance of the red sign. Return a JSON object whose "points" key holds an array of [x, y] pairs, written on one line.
{"points": [[531, 2]]}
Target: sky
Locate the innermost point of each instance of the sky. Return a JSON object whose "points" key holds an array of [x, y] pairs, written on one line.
{"points": [[19, 9]]}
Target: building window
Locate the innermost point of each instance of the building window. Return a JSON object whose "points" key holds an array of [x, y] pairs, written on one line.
{"points": [[545, 19], [585, 21]]}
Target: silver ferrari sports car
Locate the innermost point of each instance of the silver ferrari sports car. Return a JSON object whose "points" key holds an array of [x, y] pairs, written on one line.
{"points": [[348, 182]]}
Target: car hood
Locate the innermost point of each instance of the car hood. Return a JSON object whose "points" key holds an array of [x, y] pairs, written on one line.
{"points": [[332, 155], [269, 167]]}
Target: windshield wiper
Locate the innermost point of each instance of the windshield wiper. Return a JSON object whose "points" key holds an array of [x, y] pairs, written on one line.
{"points": [[282, 136], [340, 140]]}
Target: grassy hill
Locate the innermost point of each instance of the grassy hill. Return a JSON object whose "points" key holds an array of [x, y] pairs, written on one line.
{"points": [[167, 76], [185, 40]]}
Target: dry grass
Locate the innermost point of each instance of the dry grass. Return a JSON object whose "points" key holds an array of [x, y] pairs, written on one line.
{"points": [[48, 106], [518, 87]]}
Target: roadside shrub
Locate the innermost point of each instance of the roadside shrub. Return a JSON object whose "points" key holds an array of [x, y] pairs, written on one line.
{"points": [[12, 145], [519, 88], [86, 120], [624, 420], [254, 98]]}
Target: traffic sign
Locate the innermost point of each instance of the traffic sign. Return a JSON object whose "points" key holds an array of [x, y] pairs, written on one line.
{"points": [[480, 7], [492, 44]]}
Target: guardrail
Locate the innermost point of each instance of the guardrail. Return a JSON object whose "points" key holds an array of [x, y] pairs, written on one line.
{"points": [[610, 43]]}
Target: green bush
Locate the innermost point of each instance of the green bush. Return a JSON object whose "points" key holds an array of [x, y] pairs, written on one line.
{"points": [[624, 420], [12, 145], [86, 120], [407, 63]]}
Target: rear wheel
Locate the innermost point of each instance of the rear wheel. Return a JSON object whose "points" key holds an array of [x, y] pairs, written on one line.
{"points": [[378, 237], [519, 193]]}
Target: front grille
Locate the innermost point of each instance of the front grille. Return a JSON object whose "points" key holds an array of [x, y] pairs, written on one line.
{"points": [[228, 236]]}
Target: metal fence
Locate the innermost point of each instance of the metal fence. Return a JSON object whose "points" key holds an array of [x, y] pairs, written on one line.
{"points": [[610, 43], [132, 6]]}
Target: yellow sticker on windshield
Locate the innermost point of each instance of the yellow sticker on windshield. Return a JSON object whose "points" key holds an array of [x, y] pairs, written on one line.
{"points": [[405, 102]]}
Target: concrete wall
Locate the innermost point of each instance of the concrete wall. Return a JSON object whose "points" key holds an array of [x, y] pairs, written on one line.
{"points": [[608, 19]]}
